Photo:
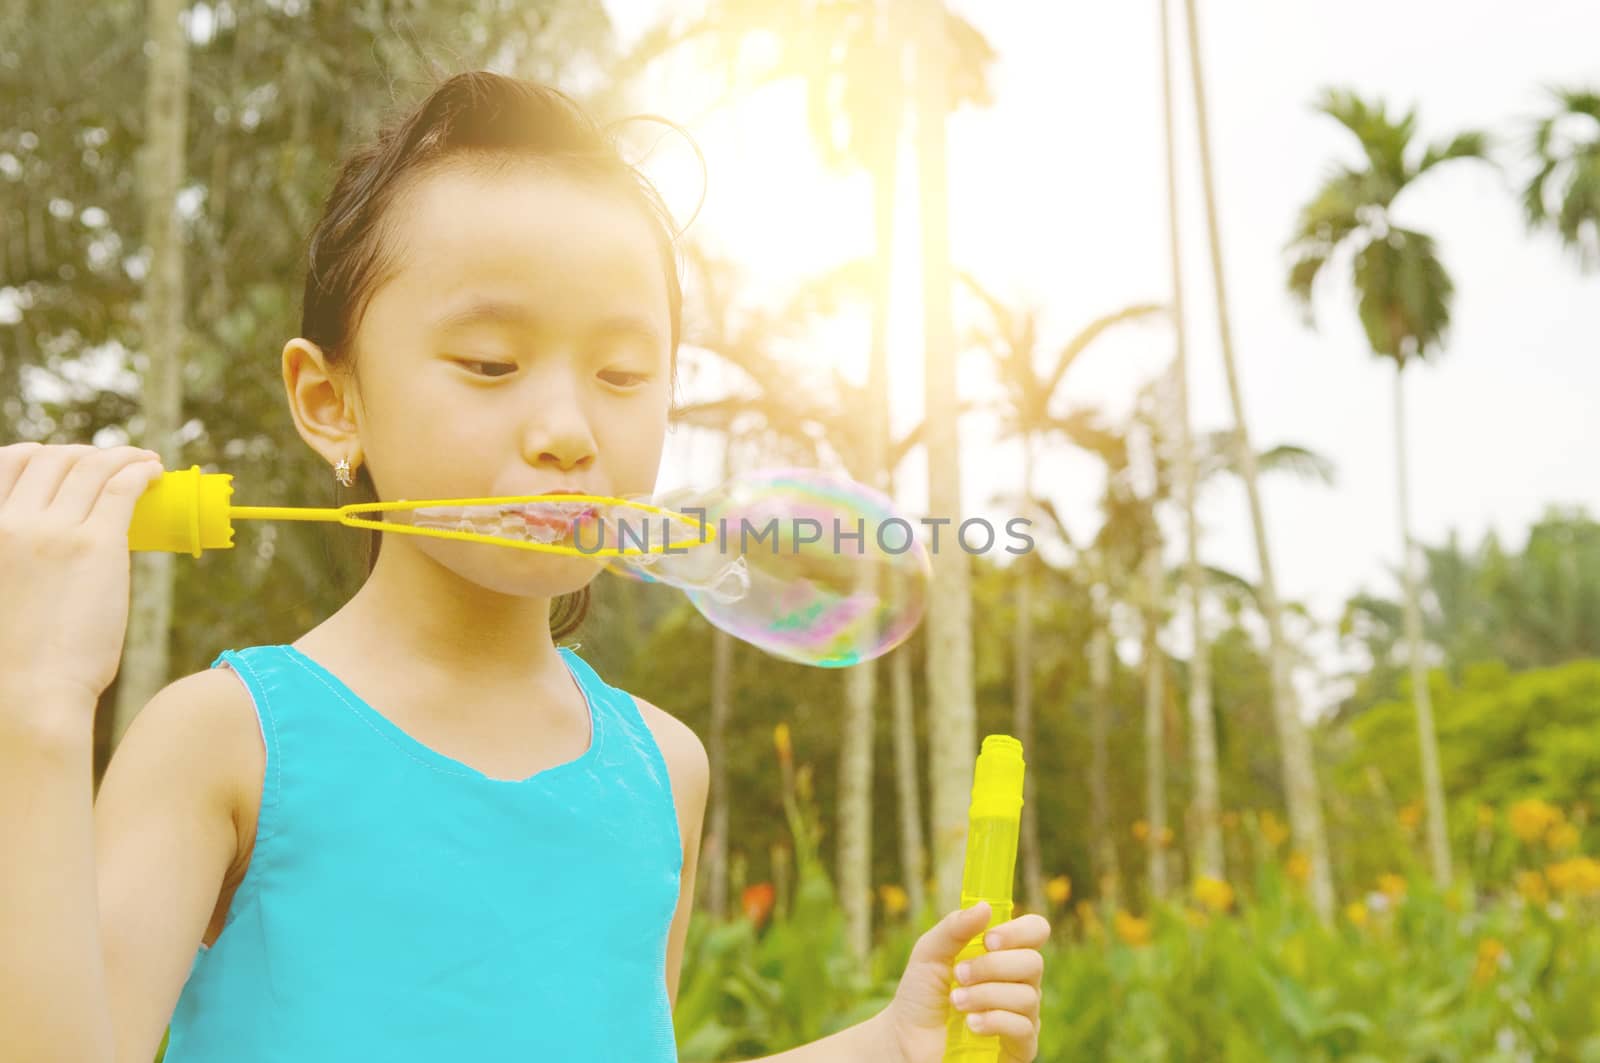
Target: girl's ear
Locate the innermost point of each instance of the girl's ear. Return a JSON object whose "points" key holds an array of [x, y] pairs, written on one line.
{"points": [[322, 402]]}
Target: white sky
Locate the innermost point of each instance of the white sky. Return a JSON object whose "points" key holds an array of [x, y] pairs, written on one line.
{"points": [[1058, 200]]}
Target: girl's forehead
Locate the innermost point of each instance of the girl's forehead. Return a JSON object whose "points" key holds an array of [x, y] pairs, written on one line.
{"points": [[554, 241]]}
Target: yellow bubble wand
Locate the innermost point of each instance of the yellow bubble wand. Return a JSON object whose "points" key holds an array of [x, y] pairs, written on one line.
{"points": [[993, 823], [187, 511]]}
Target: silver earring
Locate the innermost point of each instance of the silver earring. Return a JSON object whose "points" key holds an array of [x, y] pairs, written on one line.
{"points": [[341, 470]]}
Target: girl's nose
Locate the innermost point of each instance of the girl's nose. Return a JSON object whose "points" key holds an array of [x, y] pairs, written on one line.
{"points": [[557, 435]]}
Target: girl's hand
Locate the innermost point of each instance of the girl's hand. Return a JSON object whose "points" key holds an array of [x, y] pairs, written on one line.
{"points": [[1001, 988], [64, 518]]}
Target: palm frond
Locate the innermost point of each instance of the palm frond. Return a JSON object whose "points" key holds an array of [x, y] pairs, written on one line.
{"points": [[1403, 294], [1091, 332]]}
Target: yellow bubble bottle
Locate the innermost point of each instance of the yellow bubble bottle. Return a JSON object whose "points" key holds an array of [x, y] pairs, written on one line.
{"points": [[993, 823]]}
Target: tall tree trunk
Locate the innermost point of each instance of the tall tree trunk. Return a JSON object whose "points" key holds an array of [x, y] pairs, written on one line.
{"points": [[145, 657], [913, 854], [858, 740], [1205, 818], [1022, 707], [1104, 846], [1299, 772], [952, 723], [855, 809], [1422, 698], [1155, 764]]}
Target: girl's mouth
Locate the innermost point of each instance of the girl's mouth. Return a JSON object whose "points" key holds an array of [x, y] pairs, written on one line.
{"points": [[543, 522]]}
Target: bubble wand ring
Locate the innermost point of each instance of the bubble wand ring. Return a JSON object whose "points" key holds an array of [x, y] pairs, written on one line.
{"points": [[187, 511]]}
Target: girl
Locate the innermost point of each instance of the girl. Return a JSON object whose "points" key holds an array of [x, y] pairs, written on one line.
{"points": [[421, 831]]}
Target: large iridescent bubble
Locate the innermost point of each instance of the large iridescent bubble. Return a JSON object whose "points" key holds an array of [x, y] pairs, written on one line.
{"points": [[806, 565]]}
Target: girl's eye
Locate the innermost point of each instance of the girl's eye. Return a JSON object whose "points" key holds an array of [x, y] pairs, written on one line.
{"points": [[620, 378], [489, 369]]}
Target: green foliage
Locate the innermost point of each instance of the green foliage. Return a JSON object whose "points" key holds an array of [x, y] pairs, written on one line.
{"points": [[1502, 738]]}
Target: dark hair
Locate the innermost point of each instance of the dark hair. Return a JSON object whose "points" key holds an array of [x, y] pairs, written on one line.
{"points": [[482, 119]]}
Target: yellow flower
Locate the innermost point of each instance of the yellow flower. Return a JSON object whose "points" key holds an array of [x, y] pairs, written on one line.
{"points": [[1057, 890], [894, 899], [1215, 894], [1531, 819], [1297, 867], [1090, 920], [1393, 887], [1273, 829], [780, 738], [1490, 952], [1579, 876], [1533, 887], [1141, 830], [1486, 817], [1563, 838], [1410, 816], [1356, 912], [1131, 929]]}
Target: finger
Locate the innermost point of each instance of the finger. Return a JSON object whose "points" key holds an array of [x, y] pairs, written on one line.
{"points": [[86, 479], [951, 934], [42, 476], [1009, 965], [1018, 1033], [12, 460], [1024, 932], [997, 996], [113, 510]]}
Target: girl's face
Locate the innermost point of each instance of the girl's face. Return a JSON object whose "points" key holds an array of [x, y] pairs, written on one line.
{"points": [[521, 344]]}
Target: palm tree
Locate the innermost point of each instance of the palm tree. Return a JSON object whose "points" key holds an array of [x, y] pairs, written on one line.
{"points": [[1403, 297], [849, 57], [1025, 410], [1205, 826], [940, 42], [1299, 775], [145, 658], [1564, 195]]}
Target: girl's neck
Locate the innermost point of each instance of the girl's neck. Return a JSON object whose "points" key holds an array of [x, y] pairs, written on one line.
{"points": [[423, 612]]}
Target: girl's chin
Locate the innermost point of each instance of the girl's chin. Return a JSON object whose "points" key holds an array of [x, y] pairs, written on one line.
{"points": [[517, 573]]}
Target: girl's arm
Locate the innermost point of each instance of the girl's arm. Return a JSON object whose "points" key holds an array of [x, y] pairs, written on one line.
{"points": [[96, 941], [104, 902]]}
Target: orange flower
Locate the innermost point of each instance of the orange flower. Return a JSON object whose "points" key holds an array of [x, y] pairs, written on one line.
{"points": [[1131, 929], [757, 901], [1166, 837], [1057, 890], [1297, 867], [1141, 830], [895, 899], [1410, 816], [1393, 887]]}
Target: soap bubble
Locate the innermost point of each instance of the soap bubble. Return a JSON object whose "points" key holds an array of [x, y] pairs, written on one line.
{"points": [[833, 574]]}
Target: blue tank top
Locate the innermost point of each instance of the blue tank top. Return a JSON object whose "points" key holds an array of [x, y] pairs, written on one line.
{"points": [[400, 905]]}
